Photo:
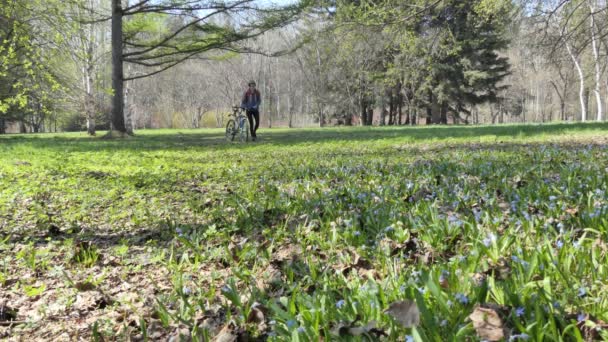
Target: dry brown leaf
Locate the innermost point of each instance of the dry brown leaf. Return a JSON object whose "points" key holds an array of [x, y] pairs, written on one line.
{"points": [[487, 324], [357, 331], [572, 211], [181, 335], [84, 286], [256, 315], [90, 300], [226, 335], [7, 313], [405, 313]]}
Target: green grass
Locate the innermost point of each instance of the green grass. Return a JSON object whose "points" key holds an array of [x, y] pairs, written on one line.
{"points": [[306, 233]]}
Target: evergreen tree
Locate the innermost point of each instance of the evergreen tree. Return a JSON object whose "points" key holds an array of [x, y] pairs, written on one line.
{"points": [[442, 55]]}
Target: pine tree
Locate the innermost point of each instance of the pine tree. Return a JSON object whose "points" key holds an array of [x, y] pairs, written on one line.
{"points": [[465, 67]]}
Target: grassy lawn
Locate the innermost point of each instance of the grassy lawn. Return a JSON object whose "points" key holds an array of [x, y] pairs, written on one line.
{"points": [[308, 234]]}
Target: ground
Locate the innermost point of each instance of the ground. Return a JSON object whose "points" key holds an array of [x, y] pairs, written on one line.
{"points": [[427, 234]]}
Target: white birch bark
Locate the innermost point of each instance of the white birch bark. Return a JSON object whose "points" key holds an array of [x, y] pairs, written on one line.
{"points": [[581, 77], [595, 47]]}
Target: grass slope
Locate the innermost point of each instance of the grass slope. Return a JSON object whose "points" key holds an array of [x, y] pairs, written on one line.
{"points": [[307, 234]]}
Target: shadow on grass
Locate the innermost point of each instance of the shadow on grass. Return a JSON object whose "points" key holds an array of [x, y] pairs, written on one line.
{"points": [[162, 231], [195, 139], [138, 237]]}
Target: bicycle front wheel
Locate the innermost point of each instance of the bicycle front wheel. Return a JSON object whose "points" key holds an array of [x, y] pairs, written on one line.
{"points": [[230, 130]]}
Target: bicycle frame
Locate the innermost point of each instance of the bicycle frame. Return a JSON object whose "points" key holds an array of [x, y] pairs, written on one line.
{"points": [[240, 126], [239, 116]]}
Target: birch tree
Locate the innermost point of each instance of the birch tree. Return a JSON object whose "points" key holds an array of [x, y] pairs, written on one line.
{"points": [[595, 47]]}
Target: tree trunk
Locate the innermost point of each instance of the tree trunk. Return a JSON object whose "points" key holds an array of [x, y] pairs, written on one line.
{"points": [[596, 57], [198, 117], [279, 116], [562, 101], [118, 117], [581, 77], [289, 105], [429, 108], [382, 110], [443, 113], [391, 109], [89, 104], [414, 117], [586, 97], [400, 109], [129, 108], [89, 69]]}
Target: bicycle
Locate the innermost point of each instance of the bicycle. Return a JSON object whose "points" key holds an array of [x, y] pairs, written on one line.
{"points": [[239, 125]]}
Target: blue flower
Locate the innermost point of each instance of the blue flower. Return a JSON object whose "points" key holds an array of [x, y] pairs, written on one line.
{"points": [[340, 303], [489, 240], [357, 233], [519, 337], [422, 290], [520, 311], [559, 244], [582, 292], [409, 338], [462, 298], [477, 213], [581, 317], [443, 323], [291, 323], [186, 291], [301, 330], [443, 276]]}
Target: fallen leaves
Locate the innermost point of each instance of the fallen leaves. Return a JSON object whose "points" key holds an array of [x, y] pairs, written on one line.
{"points": [[354, 330], [405, 313], [487, 324], [91, 300], [7, 313]]}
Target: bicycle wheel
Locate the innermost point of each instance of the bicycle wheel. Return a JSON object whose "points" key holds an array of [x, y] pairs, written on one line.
{"points": [[244, 131], [230, 130]]}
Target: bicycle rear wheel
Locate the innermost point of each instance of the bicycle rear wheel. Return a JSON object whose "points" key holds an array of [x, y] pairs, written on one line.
{"points": [[230, 130]]}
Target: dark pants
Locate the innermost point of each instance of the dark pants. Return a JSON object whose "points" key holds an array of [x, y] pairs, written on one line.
{"points": [[253, 114]]}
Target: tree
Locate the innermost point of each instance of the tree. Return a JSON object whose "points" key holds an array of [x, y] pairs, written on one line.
{"points": [[199, 30], [26, 82]]}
